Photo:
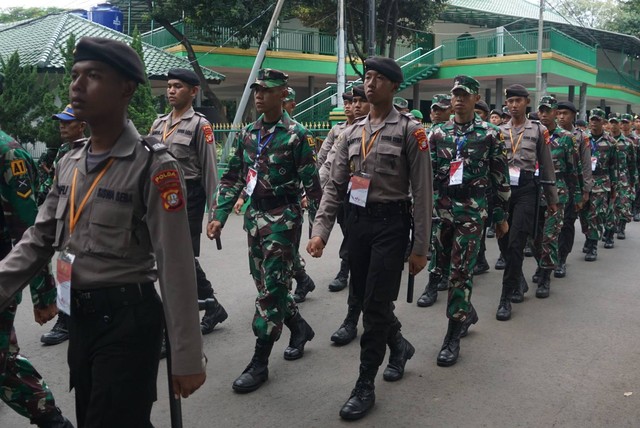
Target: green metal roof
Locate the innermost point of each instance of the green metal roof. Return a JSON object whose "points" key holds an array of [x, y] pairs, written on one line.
{"points": [[38, 42]]}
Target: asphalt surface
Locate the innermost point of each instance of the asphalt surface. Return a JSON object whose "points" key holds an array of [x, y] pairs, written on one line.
{"points": [[572, 360]]}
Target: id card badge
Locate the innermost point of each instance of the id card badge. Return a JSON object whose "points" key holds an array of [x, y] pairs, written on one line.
{"points": [[594, 163], [63, 280], [456, 170], [359, 182], [514, 175], [252, 180]]}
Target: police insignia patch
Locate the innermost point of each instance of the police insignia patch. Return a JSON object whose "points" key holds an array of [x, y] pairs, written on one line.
{"points": [[545, 134], [18, 167], [168, 184], [208, 134], [421, 137]]}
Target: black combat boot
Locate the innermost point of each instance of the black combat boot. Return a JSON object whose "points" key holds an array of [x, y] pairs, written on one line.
{"points": [[528, 250], [592, 250], [212, 317], [636, 216], [491, 232], [430, 295], [472, 318], [257, 372], [501, 263], [481, 266], [362, 398], [451, 346], [621, 226], [59, 333], [586, 246], [443, 285], [608, 239], [561, 270], [536, 276], [341, 280], [301, 333], [400, 350], [304, 286], [349, 328], [520, 291], [504, 307], [544, 284]]}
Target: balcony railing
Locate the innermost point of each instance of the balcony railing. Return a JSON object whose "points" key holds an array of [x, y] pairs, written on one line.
{"points": [[618, 78]]}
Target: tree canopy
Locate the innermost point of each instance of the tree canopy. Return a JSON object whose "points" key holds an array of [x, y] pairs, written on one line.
{"points": [[13, 14]]}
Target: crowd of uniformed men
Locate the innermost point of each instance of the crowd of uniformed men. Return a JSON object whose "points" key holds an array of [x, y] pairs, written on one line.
{"points": [[475, 173]]}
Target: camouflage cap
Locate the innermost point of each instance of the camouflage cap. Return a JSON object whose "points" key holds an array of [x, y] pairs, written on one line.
{"points": [[597, 113], [291, 94], [626, 118], [270, 78], [614, 117], [442, 101], [466, 83], [548, 101], [400, 102]]}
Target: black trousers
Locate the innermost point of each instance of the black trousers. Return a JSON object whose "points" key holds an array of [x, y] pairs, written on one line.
{"points": [[568, 231], [113, 357], [522, 206], [376, 248], [196, 202]]}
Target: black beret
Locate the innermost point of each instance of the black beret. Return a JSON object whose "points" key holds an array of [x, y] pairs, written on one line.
{"points": [[358, 91], [385, 66], [347, 96], [118, 55], [482, 105], [567, 105], [187, 76], [516, 91]]}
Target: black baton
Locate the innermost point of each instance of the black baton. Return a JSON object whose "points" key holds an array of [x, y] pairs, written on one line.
{"points": [[175, 406], [410, 288], [218, 243]]}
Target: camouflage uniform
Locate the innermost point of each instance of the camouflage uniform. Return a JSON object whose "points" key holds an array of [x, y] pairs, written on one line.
{"points": [[463, 208], [620, 210], [23, 389], [272, 219], [46, 180], [45, 162]]}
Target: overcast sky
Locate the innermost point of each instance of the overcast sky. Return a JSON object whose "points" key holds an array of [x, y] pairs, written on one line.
{"points": [[66, 4]]}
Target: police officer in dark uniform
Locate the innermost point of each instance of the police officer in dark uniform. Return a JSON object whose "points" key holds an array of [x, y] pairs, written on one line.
{"points": [[381, 156], [189, 137], [527, 144]]}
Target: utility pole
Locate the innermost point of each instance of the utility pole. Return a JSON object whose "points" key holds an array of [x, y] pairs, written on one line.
{"points": [[371, 51], [340, 75], [539, 93]]}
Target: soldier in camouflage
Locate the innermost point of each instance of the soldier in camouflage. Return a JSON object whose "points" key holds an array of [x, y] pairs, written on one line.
{"points": [[636, 134], [619, 213], [72, 135], [272, 158], [604, 168], [23, 389], [468, 157], [626, 128], [567, 166]]}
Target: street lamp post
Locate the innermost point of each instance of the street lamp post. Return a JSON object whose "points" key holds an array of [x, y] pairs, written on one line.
{"points": [[539, 57]]}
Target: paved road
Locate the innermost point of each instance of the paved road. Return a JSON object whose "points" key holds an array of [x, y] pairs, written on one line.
{"points": [[566, 361]]}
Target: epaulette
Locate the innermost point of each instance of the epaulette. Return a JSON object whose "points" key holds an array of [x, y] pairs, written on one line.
{"points": [[200, 114], [153, 145], [408, 116]]}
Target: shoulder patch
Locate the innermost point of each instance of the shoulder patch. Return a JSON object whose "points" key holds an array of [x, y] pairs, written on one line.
{"points": [[545, 135], [18, 167], [208, 134], [168, 184], [421, 138], [311, 141]]}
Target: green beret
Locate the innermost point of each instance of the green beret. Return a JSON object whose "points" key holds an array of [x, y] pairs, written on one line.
{"points": [[118, 55], [417, 114]]}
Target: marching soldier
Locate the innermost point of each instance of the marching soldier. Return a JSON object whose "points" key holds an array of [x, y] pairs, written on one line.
{"points": [[527, 145], [189, 137], [626, 128], [440, 109], [604, 170], [468, 157], [383, 156], [24, 390], [272, 158]]}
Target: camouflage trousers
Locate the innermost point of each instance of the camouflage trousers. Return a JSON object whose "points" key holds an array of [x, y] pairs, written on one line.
{"points": [[21, 386], [596, 214], [460, 233], [440, 261], [545, 243], [298, 262], [620, 209], [271, 259]]}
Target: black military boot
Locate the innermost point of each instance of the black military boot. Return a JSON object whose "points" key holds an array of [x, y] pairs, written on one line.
{"points": [[361, 401], [481, 266], [520, 291], [621, 226], [59, 333], [501, 264], [528, 250], [536, 276], [561, 270], [301, 333], [341, 280], [608, 239], [349, 328], [304, 286], [491, 232], [430, 295], [585, 247], [544, 284], [400, 350], [443, 285], [53, 420], [472, 318], [257, 372], [592, 250], [636, 216], [212, 317], [451, 346], [504, 307]]}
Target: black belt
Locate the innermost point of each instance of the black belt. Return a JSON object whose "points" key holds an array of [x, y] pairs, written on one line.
{"points": [[526, 177], [383, 209], [463, 192], [117, 296], [273, 202]]}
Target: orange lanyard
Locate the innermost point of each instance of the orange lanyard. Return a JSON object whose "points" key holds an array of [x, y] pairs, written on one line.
{"points": [[367, 149], [166, 134], [514, 149], [73, 218]]}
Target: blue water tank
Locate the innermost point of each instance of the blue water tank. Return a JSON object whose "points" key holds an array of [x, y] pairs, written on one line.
{"points": [[106, 14], [82, 13]]}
